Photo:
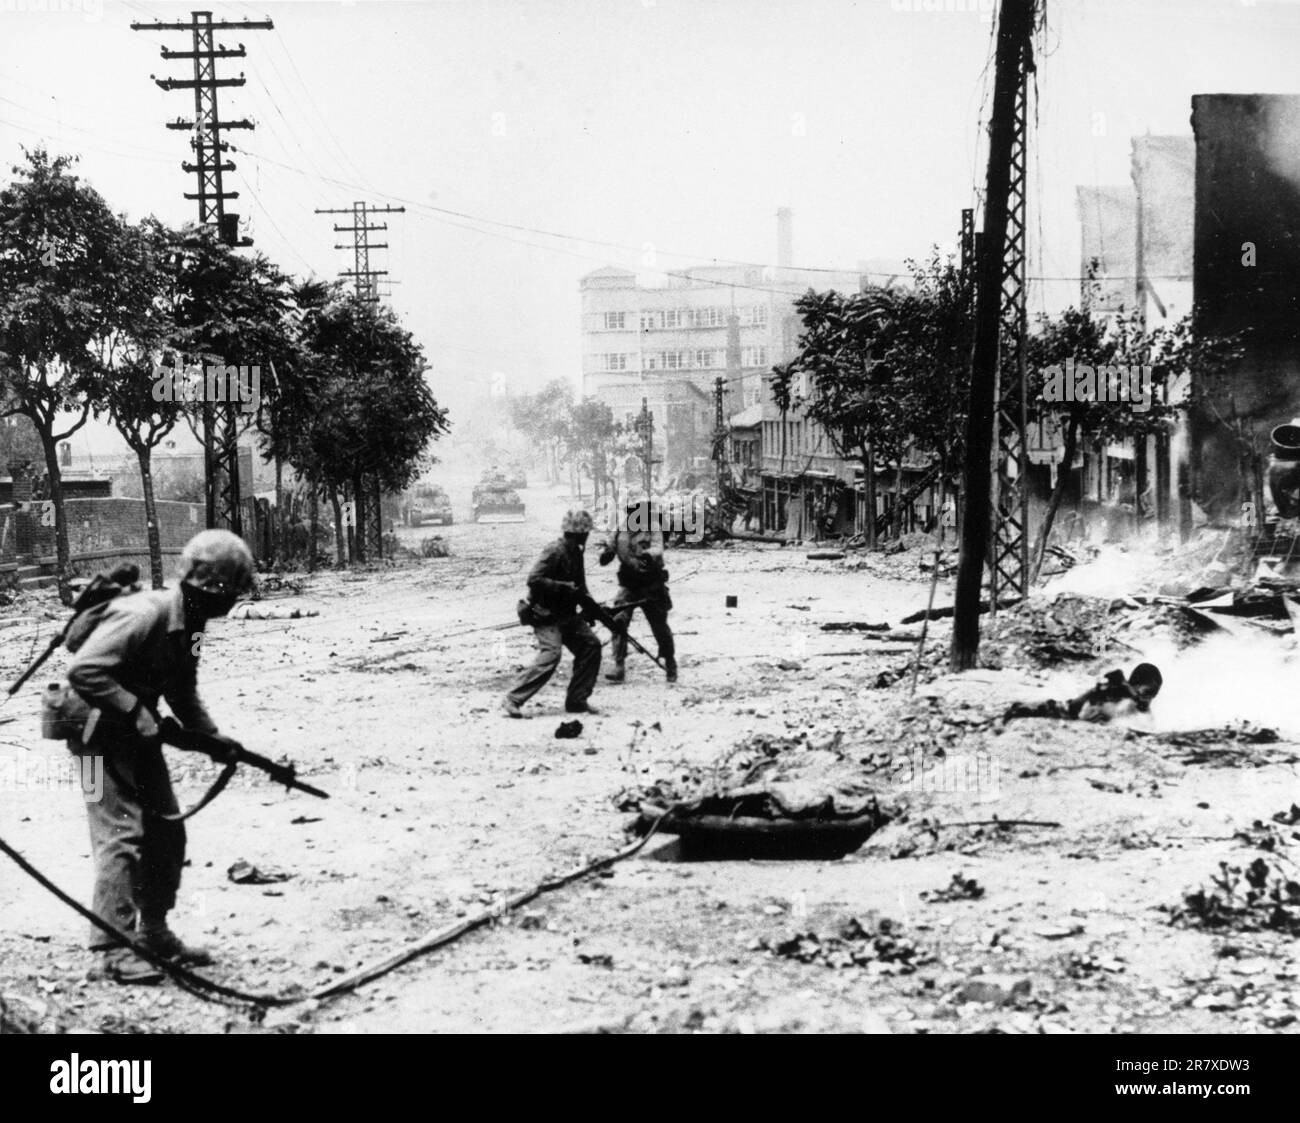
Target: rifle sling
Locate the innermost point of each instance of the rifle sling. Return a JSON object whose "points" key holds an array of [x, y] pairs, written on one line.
{"points": [[216, 788]]}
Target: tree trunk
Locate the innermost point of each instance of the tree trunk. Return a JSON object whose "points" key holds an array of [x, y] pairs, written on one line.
{"points": [[359, 517], [340, 558], [378, 500], [277, 527], [62, 552], [313, 527], [869, 493], [143, 454], [898, 499], [1058, 493]]}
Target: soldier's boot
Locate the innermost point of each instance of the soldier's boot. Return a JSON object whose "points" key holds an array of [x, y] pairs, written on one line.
{"points": [[616, 675], [166, 943], [670, 669], [122, 965]]}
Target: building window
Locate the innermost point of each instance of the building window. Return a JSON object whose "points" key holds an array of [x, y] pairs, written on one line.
{"points": [[616, 361], [708, 318], [614, 321], [650, 321], [673, 360], [705, 359], [757, 316], [676, 317], [754, 357]]}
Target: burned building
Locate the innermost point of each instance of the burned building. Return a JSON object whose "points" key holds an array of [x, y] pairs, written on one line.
{"points": [[1247, 280]]}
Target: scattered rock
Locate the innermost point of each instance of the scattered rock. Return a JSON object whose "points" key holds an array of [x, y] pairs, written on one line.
{"points": [[996, 990]]}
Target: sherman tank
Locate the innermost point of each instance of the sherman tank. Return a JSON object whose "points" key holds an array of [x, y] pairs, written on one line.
{"points": [[495, 501]]}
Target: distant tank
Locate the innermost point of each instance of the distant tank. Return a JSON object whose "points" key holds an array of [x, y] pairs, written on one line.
{"points": [[495, 501], [428, 503]]}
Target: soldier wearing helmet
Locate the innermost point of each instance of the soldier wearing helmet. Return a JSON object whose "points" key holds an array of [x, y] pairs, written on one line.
{"points": [[556, 586], [146, 647], [643, 579]]}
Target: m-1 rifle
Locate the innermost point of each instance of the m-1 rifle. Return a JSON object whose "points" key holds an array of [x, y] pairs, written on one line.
{"points": [[593, 609], [229, 752]]}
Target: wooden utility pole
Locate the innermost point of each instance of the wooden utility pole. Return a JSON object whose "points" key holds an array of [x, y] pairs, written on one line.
{"points": [[222, 490], [207, 127], [1015, 25], [647, 426]]}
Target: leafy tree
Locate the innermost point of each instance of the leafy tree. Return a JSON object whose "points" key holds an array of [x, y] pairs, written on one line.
{"points": [[1095, 407], [354, 402], [591, 434], [132, 351], [883, 371], [60, 281], [544, 418], [230, 310]]}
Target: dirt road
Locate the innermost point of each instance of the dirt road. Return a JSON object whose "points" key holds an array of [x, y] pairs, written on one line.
{"points": [[389, 699]]}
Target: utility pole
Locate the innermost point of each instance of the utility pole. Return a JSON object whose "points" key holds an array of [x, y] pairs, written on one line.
{"points": [[209, 164], [220, 426], [363, 277], [646, 424], [1010, 569], [719, 425], [369, 507], [1015, 26]]}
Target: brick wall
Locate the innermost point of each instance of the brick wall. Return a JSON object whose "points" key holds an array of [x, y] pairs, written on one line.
{"points": [[104, 532]]}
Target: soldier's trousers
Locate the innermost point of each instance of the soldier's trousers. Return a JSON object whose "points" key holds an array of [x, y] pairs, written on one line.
{"points": [[138, 856], [577, 636], [656, 615]]}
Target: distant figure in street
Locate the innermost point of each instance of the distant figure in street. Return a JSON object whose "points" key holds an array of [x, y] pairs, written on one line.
{"points": [[642, 578], [556, 587]]}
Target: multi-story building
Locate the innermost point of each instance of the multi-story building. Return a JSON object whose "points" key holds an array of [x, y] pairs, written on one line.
{"points": [[707, 323], [1136, 255]]}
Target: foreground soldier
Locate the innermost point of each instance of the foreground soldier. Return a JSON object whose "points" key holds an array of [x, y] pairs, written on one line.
{"points": [[556, 585], [146, 646], [642, 578]]}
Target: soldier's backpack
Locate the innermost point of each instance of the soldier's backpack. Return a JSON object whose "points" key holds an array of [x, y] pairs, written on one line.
{"points": [[63, 712]]}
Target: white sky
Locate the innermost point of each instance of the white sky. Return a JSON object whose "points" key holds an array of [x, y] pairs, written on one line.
{"points": [[679, 123]]}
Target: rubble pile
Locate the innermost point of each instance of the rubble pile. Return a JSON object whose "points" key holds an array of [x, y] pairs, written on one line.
{"points": [[766, 794], [764, 776], [1230, 746], [1262, 895], [910, 558], [878, 945], [960, 888], [1043, 631]]}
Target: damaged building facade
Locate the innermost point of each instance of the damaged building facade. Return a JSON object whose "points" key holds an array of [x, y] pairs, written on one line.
{"points": [[703, 343], [1247, 277]]}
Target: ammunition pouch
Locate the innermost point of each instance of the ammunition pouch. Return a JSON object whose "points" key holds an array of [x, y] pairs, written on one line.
{"points": [[533, 615], [64, 713]]}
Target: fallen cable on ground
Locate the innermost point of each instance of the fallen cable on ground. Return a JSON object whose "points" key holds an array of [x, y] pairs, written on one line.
{"points": [[211, 991]]}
